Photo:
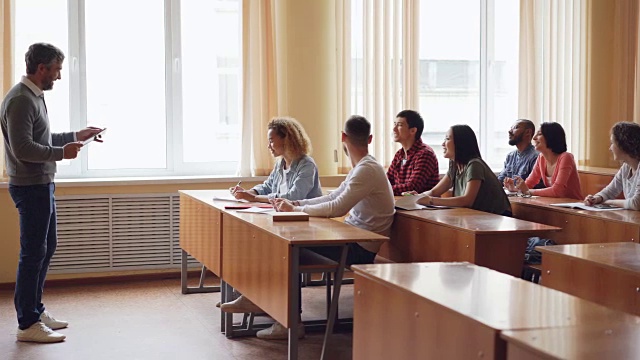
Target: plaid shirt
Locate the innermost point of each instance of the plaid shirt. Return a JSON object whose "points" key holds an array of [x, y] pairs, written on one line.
{"points": [[419, 173]]}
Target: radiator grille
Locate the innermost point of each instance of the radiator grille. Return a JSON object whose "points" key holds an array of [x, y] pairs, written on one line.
{"points": [[118, 232]]}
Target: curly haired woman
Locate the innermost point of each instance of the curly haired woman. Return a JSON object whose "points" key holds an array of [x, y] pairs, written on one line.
{"points": [[295, 175], [625, 146]]}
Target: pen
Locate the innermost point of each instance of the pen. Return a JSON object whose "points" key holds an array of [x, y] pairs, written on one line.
{"points": [[239, 182]]}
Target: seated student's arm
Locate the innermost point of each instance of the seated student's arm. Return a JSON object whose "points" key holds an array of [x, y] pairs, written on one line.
{"points": [[342, 200], [302, 184], [466, 200], [422, 169], [632, 201], [441, 187], [610, 192], [560, 188], [536, 175], [259, 192]]}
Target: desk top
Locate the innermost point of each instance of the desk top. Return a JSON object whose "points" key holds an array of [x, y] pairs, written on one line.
{"points": [[206, 197], [480, 222], [494, 299], [316, 231], [623, 256], [626, 216], [600, 341]]}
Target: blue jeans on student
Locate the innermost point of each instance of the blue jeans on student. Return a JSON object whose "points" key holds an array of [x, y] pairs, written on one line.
{"points": [[38, 239]]}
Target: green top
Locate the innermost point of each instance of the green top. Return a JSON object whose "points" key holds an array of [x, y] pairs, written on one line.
{"points": [[491, 197]]}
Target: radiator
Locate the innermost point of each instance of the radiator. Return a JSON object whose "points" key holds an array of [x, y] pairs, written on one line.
{"points": [[117, 232]]}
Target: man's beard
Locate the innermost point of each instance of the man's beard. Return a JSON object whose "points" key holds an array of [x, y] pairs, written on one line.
{"points": [[344, 148], [48, 85], [516, 140]]}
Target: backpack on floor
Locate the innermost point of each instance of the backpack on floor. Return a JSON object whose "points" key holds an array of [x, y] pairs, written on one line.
{"points": [[533, 256]]}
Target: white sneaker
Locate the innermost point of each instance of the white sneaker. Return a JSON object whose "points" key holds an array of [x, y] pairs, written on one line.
{"points": [[39, 333], [52, 322], [234, 295], [241, 305], [279, 332]]}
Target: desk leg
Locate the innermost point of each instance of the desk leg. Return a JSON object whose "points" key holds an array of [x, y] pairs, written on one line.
{"points": [[334, 303], [183, 279], [227, 318], [223, 299], [294, 302]]}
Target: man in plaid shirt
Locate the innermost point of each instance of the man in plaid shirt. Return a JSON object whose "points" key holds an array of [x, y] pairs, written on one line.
{"points": [[415, 166]]}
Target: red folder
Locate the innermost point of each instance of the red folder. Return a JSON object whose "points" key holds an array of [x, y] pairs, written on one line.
{"points": [[239, 207]]}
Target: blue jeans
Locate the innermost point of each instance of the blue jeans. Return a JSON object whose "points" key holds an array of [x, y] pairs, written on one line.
{"points": [[38, 239]]}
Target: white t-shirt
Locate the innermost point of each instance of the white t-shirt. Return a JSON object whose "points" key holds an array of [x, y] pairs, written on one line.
{"points": [[283, 187]]}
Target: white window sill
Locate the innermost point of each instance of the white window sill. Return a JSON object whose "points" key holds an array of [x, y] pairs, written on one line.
{"points": [[151, 180]]}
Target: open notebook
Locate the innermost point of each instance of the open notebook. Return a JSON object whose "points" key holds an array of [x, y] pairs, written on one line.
{"points": [[597, 207], [410, 203]]}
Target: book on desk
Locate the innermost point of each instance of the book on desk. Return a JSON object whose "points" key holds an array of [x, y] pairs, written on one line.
{"points": [[289, 216], [582, 206]]}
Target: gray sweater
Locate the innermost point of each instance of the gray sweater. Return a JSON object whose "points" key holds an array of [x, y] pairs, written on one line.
{"points": [[31, 150], [626, 183]]}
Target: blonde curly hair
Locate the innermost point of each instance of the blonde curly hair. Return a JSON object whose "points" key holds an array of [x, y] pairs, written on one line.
{"points": [[296, 141]]}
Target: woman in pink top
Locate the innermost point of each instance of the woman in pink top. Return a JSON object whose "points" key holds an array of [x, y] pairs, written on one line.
{"points": [[555, 166]]}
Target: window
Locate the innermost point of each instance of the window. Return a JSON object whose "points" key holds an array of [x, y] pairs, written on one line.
{"points": [[167, 88], [469, 72]]}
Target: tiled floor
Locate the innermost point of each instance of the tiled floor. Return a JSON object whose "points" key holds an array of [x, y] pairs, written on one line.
{"points": [[153, 320]]}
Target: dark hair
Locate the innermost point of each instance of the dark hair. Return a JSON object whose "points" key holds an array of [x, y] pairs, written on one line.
{"points": [[414, 120], [465, 143], [627, 138], [528, 124], [554, 136], [358, 130], [41, 53]]}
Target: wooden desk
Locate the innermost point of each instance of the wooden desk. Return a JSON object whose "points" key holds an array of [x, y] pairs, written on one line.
{"points": [[579, 226], [462, 234], [201, 233], [607, 274], [593, 342], [455, 311]]}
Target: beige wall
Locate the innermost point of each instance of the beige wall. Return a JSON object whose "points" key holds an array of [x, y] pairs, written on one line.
{"points": [[611, 48], [307, 72]]}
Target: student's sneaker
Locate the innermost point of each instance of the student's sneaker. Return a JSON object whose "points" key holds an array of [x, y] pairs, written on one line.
{"points": [[234, 295], [39, 333], [52, 322], [241, 305], [279, 332]]}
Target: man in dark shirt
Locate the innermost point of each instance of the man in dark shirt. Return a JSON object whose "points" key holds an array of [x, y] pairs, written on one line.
{"points": [[415, 166]]}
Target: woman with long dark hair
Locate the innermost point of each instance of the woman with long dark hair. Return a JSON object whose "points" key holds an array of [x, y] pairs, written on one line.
{"points": [[474, 184]]}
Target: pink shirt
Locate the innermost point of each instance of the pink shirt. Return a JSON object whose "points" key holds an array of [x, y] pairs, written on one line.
{"points": [[565, 182]]}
